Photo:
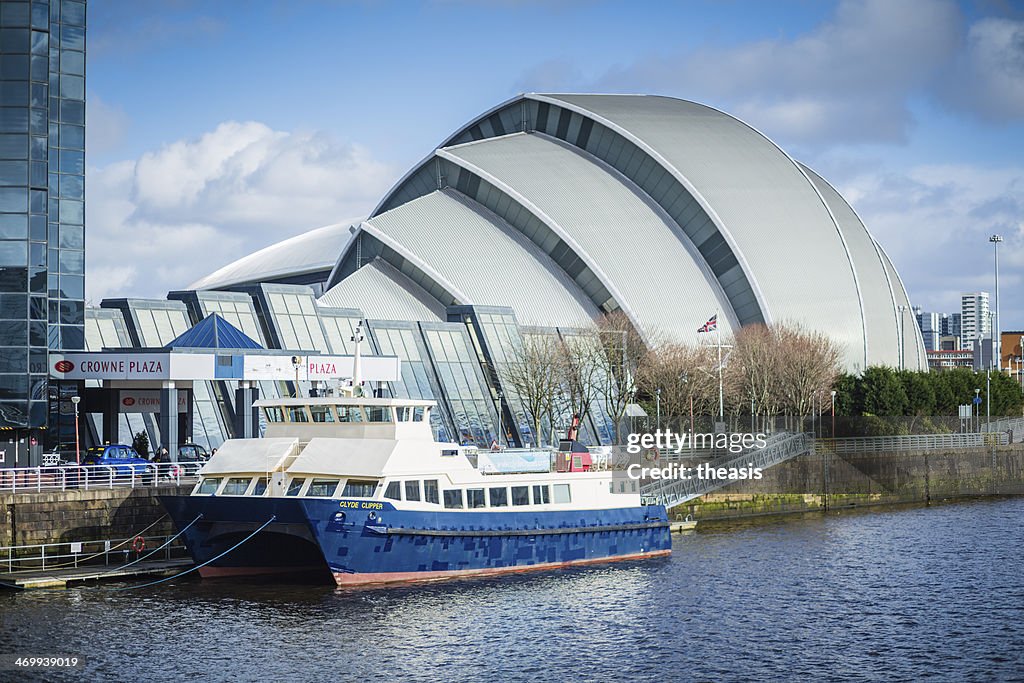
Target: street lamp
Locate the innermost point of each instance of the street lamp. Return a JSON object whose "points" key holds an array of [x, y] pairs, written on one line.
{"points": [[833, 413], [996, 337], [977, 402], [657, 399], [75, 400]]}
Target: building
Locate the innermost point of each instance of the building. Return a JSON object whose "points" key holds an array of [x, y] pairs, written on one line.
{"points": [[975, 321], [930, 325], [42, 204], [536, 218], [950, 343], [944, 360], [950, 324], [1012, 361]]}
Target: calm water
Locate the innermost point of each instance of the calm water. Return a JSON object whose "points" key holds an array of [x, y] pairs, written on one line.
{"points": [[935, 592]]}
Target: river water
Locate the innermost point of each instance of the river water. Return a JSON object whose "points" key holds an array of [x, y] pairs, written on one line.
{"points": [[898, 595]]}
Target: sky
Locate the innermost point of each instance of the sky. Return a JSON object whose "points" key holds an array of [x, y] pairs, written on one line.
{"points": [[215, 129]]}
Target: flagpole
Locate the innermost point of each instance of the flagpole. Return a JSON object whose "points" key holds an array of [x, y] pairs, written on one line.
{"points": [[721, 392]]}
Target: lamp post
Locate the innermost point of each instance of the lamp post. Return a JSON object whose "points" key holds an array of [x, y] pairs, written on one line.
{"points": [[833, 413], [657, 402], [997, 357], [977, 402], [75, 400], [500, 430]]}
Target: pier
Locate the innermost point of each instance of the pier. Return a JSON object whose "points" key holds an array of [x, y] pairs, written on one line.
{"points": [[62, 577]]}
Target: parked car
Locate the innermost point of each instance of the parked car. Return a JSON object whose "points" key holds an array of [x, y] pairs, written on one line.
{"points": [[192, 452], [123, 459]]}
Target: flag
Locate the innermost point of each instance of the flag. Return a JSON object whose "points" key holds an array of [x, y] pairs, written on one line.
{"points": [[710, 326]]}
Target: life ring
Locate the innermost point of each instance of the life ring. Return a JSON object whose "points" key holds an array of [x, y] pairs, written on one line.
{"points": [[138, 544], [651, 455]]}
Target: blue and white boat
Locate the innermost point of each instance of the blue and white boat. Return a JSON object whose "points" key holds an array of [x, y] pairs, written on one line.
{"points": [[357, 488]]}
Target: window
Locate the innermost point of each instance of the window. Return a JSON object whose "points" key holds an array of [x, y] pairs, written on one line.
{"points": [[520, 495], [207, 487], [274, 414], [236, 486], [393, 491], [404, 413], [499, 497], [561, 493], [417, 413], [297, 414], [577, 462], [322, 413], [475, 498], [378, 414], [350, 414], [412, 490], [261, 487], [430, 491], [541, 495], [294, 486], [323, 488], [354, 488], [453, 499]]}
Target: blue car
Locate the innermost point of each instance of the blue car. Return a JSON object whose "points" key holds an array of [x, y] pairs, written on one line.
{"points": [[123, 459]]}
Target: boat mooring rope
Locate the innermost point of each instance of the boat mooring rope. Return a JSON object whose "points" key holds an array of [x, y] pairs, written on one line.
{"points": [[155, 550], [200, 566]]}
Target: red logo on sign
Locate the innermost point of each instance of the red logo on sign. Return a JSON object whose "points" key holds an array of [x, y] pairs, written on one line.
{"points": [[128, 401], [63, 366]]}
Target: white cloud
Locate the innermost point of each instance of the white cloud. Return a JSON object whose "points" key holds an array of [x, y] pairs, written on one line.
{"points": [[166, 219], [988, 77], [107, 125]]}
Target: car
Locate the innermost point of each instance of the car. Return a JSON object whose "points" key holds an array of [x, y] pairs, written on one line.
{"points": [[123, 459], [192, 452]]}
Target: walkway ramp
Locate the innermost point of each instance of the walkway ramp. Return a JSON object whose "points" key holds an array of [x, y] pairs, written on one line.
{"points": [[779, 448], [60, 578]]}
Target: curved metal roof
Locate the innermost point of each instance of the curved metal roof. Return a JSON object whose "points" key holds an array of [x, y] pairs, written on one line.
{"points": [[311, 252], [643, 258], [382, 292], [485, 259]]}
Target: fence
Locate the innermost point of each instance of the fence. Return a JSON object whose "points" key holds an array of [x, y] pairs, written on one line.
{"points": [[87, 477], [17, 558], [913, 442]]}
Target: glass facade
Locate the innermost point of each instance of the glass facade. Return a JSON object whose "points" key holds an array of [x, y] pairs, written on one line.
{"points": [[105, 329], [42, 200]]}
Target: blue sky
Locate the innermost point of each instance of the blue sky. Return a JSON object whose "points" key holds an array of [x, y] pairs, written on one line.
{"points": [[218, 128]]}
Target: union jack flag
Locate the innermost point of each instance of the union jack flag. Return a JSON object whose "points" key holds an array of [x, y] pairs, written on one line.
{"points": [[710, 326]]}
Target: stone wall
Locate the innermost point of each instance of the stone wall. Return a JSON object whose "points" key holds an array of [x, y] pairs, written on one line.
{"points": [[78, 515], [828, 481]]}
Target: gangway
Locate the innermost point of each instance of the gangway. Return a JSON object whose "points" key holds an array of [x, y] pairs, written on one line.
{"points": [[779, 448]]}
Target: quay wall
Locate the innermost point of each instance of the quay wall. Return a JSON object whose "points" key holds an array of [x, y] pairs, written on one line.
{"points": [[828, 481], [79, 515]]}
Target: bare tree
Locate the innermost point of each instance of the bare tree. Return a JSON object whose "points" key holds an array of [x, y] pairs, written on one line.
{"points": [[809, 363], [753, 370], [583, 372], [681, 373], [623, 354], [534, 371]]}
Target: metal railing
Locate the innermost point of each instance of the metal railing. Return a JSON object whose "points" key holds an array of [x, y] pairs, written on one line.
{"points": [[1005, 424], [88, 477], [71, 555], [779, 448], [913, 442]]}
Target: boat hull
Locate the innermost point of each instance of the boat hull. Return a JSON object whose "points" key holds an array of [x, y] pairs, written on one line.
{"points": [[365, 543]]}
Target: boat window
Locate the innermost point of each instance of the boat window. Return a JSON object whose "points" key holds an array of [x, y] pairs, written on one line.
{"points": [[293, 487], [350, 414], [355, 488], [475, 498], [297, 414], [378, 413], [403, 413], [453, 498], [323, 488], [520, 495], [236, 486], [622, 487], [577, 462], [417, 413], [499, 497], [393, 491], [261, 487], [208, 487], [541, 495], [430, 491], [561, 493], [274, 414], [412, 490], [322, 413]]}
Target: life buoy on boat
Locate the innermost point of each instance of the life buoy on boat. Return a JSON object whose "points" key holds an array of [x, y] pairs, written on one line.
{"points": [[138, 544]]}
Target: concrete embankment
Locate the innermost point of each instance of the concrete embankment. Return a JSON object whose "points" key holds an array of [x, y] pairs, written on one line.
{"points": [[79, 515], [828, 481]]}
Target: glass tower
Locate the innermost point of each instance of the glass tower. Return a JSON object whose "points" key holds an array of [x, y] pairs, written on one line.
{"points": [[42, 199]]}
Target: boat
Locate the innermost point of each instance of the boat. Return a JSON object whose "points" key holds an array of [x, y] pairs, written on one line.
{"points": [[356, 488]]}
